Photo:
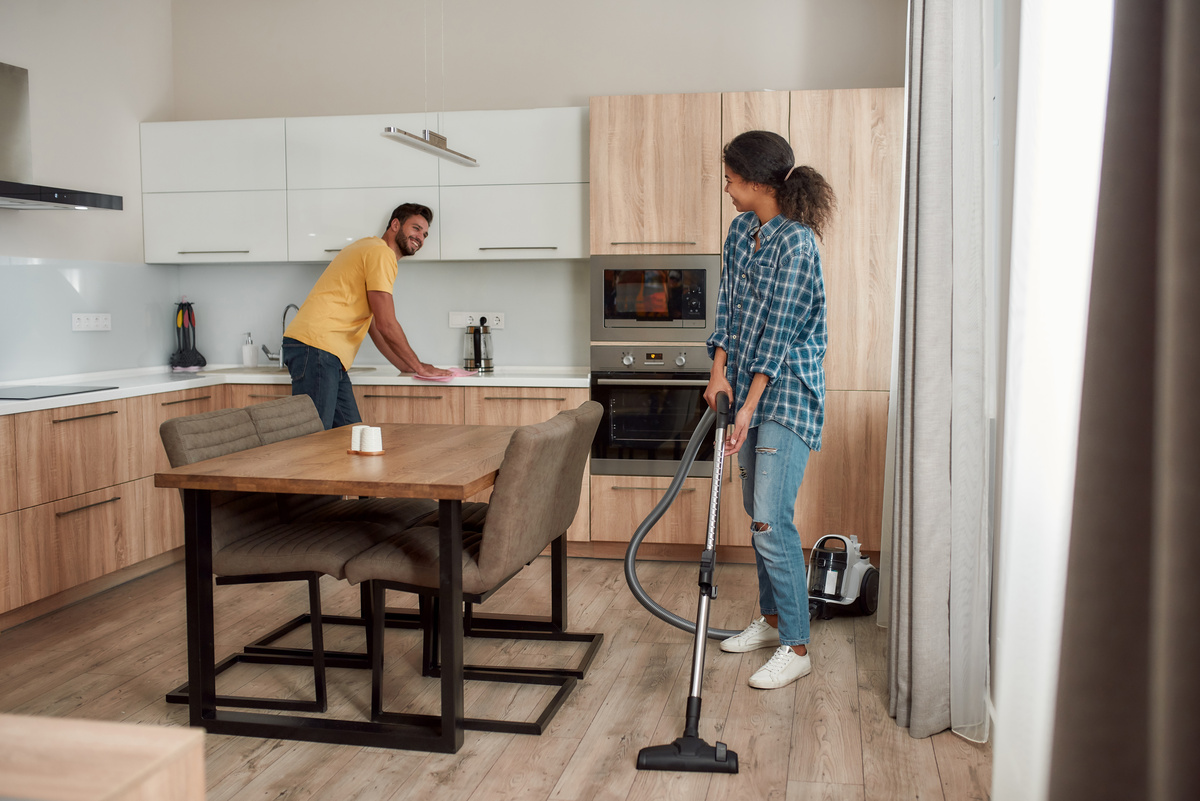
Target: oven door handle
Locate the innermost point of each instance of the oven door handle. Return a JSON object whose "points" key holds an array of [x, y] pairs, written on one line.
{"points": [[652, 382]]}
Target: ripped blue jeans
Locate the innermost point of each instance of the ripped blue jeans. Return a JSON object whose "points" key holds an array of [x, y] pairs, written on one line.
{"points": [[772, 462]]}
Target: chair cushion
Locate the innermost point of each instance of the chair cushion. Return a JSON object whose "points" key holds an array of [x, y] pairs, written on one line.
{"points": [[285, 418], [293, 547], [207, 435], [411, 557]]}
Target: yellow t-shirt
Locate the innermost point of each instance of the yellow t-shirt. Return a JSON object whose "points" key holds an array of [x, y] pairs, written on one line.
{"points": [[336, 316]]}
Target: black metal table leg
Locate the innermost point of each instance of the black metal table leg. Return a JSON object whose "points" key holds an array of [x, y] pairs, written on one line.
{"points": [[450, 623]]}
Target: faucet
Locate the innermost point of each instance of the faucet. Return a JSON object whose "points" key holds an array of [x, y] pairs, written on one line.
{"points": [[278, 357]]}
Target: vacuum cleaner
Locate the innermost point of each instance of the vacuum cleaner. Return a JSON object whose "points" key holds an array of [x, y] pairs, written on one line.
{"points": [[839, 577], [689, 752]]}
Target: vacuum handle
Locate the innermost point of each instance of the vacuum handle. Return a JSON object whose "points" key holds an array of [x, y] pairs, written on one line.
{"points": [[722, 410]]}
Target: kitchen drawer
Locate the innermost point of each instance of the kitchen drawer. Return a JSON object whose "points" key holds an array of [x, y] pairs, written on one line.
{"points": [[213, 155], [8, 464], [77, 449], [215, 227], [390, 404], [553, 222], [77, 539], [323, 221], [163, 519], [621, 503], [10, 564], [157, 409], [241, 395]]}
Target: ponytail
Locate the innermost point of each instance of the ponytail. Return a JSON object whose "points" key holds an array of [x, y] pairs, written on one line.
{"points": [[763, 157]]}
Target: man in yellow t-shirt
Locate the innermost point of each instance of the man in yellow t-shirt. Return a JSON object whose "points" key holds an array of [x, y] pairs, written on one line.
{"points": [[351, 299]]}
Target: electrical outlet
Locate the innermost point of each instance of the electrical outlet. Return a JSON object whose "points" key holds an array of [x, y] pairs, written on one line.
{"points": [[495, 320], [459, 319], [91, 322]]}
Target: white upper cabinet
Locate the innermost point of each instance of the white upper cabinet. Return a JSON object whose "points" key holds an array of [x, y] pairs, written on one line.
{"points": [[213, 155], [514, 221], [323, 221], [215, 227], [352, 152], [527, 146]]}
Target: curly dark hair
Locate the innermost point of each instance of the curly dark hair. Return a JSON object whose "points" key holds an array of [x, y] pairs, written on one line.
{"points": [[763, 157]]}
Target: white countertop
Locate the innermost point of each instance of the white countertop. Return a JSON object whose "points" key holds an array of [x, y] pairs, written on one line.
{"points": [[152, 380]]}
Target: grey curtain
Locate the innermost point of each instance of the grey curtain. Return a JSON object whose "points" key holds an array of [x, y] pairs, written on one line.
{"points": [[938, 553], [1127, 719]]}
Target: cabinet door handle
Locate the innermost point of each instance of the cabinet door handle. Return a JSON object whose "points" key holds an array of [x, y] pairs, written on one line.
{"points": [[525, 247], [267, 396], [185, 400], [407, 397], [333, 250], [199, 252], [87, 506], [85, 416], [651, 243], [653, 489], [505, 397]]}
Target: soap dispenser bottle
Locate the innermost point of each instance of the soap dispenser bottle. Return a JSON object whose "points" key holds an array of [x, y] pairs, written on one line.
{"points": [[249, 354]]}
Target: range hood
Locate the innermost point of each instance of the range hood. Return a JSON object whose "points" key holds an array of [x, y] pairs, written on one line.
{"points": [[16, 163]]}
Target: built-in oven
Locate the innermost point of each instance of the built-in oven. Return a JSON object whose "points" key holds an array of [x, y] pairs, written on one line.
{"points": [[654, 298], [653, 399]]}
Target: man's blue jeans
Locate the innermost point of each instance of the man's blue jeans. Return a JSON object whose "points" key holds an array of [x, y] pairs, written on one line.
{"points": [[772, 461], [320, 375]]}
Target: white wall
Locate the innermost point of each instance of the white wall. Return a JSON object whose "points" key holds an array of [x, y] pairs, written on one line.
{"points": [[276, 58], [100, 67]]}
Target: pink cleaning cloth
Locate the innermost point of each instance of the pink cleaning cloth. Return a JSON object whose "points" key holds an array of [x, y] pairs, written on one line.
{"points": [[455, 372]]}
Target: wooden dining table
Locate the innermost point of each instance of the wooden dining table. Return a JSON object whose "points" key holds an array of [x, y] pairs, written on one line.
{"points": [[446, 463]]}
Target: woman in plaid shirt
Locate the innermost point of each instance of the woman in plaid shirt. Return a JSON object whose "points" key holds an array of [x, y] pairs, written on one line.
{"points": [[768, 349]]}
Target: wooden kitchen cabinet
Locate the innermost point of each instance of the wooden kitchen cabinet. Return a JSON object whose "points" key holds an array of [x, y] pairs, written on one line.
{"points": [[842, 491], [749, 111], [655, 174], [401, 404], [522, 406], [79, 449], [8, 464], [855, 138], [70, 541], [158, 409], [621, 503], [10, 563], [242, 395]]}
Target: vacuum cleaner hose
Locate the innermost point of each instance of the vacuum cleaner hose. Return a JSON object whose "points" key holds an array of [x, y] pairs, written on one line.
{"points": [[635, 586]]}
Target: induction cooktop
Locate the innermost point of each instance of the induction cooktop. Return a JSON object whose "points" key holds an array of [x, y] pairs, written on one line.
{"points": [[34, 391]]}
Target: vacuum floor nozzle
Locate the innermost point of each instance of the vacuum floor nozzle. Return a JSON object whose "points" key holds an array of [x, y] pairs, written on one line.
{"points": [[688, 753]]}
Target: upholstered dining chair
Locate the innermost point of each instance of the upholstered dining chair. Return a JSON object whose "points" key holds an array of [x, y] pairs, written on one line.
{"points": [[534, 500], [252, 543]]}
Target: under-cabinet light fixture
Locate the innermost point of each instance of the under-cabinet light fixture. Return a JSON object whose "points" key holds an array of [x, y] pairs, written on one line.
{"points": [[431, 142]]}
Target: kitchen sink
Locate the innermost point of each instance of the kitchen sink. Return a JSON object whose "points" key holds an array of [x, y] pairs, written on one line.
{"points": [[272, 370]]}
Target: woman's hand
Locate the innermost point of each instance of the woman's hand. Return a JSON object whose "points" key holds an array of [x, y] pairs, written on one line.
{"points": [[735, 435], [716, 385]]}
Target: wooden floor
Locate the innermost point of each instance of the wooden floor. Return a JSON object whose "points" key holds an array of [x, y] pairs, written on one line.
{"points": [[828, 736]]}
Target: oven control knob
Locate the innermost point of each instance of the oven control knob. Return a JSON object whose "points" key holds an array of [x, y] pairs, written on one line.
{"points": [[627, 359], [681, 360]]}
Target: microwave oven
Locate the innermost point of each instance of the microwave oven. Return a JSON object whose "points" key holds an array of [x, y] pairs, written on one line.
{"points": [[654, 298]]}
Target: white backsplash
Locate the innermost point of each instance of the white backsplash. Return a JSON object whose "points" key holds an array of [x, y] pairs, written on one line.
{"points": [[544, 302]]}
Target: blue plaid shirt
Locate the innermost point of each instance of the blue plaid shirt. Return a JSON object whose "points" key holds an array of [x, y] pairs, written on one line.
{"points": [[771, 320]]}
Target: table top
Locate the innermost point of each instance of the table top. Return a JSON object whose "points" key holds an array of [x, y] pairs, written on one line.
{"points": [[439, 462]]}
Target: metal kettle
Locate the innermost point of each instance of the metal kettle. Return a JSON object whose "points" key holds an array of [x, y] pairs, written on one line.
{"points": [[477, 347]]}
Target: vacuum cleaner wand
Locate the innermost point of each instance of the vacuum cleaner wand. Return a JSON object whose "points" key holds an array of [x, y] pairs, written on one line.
{"points": [[690, 752]]}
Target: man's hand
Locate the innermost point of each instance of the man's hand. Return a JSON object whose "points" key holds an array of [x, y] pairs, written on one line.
{"points": [[429, 369]]}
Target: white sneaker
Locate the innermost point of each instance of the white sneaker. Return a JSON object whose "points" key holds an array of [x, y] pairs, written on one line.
{"points": [[759, 634], [784, 667]]}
